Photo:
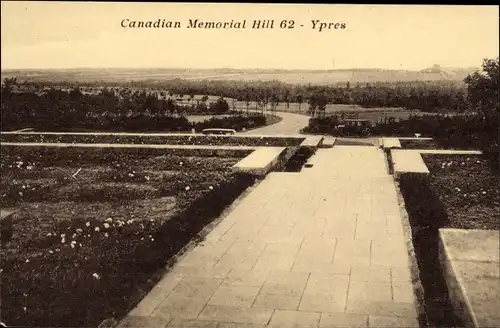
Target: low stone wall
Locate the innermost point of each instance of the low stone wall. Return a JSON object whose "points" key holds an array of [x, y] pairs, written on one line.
{"points": [[261, 161], [470, 262], [391, 143]]}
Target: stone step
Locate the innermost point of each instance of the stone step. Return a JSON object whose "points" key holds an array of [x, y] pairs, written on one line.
{"points": [[328, 142], [312, 142], [259, 162], [391, 143]]}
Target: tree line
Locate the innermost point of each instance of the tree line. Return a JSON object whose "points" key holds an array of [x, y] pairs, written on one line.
{"points": [[57, 108], [428, 96]]}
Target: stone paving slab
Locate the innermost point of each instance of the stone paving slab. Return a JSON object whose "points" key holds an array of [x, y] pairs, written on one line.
{"points": [[408, 161], [298, 252], [470, 261], [328, 142], [250, 134], [415, 138], [390, 143], [108, 145], [259, 162], [312, 141]]}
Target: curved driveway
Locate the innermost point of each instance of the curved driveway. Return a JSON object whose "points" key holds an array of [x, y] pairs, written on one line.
{"points": [[290, 124]]}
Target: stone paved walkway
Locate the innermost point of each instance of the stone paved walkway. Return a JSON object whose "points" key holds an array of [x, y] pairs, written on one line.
{"points": [[290, 124], [320, 248]]}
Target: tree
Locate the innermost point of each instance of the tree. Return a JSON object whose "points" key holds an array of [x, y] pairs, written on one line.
{"points": [[300, 100], [482, 87], [219, 107], [312, 106], [321, 102], [8, 86]]}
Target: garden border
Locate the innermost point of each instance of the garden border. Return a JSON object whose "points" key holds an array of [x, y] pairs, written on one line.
{"points": [[460, 302]]}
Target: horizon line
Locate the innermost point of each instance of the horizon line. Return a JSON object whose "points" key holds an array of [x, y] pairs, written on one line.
{"points": [[236, 68]]}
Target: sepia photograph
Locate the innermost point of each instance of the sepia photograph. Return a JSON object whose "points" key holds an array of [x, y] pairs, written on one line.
{"points": [[249, 165]]}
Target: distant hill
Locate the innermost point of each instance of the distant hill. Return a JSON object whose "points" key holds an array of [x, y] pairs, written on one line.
{"points": [[435, 73]]}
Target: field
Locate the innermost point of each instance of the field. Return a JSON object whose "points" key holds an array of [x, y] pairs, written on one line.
{"points": [[287, 76], [461, 192], [94, 228]]}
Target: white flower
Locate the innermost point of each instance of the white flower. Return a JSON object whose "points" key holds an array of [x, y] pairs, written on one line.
{"points": [[63, 235], [187, 188], [72, 245], [106, 225], [152, 239], [74, 235], [49, 234], [484, 192], [63, 240], [96, 229], [181, 163], [87, 224], [211, 188], [96, 276], [27, 261], [106, 235], [51, 252], [109, 220]]}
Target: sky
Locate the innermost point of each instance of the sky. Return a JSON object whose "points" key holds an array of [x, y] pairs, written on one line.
{"points": [[89, 34]]}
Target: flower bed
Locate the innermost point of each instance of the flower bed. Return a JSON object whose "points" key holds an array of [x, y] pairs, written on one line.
{"points": [[418, 144], [468, 188], [460, 192], [92, 232], [145, 139]]}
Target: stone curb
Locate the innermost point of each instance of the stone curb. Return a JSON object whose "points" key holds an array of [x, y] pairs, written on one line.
{"points": [[418, 289]]}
